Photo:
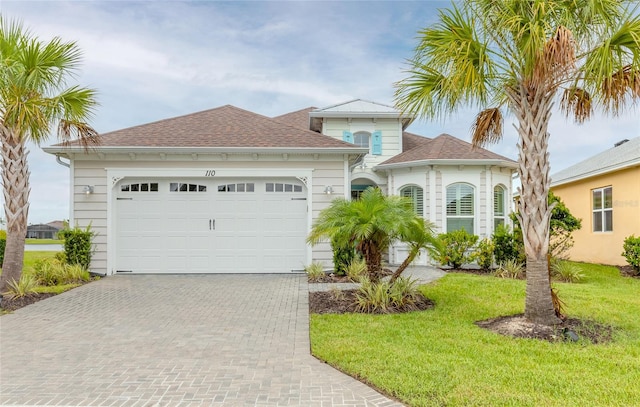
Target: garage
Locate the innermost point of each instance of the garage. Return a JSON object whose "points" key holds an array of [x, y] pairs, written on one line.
{"points": [[205, 225]]}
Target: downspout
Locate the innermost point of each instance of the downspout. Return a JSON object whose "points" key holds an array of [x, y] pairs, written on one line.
{"points": [[59, 161]]}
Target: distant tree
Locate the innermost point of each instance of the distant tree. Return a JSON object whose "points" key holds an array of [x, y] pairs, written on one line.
{"points": [[34, 98], [523, 56]]}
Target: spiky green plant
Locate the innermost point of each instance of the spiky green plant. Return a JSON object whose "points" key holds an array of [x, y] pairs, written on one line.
{"points": [[25, 286], [510, 269], [315, 271], [356, 270]]}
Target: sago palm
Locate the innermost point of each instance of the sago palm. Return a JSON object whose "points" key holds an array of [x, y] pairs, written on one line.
{"points": [[34, 98], [369, 224], [521, 57]]}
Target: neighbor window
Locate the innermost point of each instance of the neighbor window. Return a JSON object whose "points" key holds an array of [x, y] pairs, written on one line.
{"points": [[498, 207], [415, 194], [460, 203], [602, 204]]}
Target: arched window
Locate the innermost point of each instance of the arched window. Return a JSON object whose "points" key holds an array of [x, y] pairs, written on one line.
{"points": [[361, 139], [499, 211], [460, 204], [416, 195]]}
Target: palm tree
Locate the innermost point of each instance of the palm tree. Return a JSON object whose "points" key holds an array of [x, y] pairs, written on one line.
{"points": [[521, 56], [369, 224], [418, 235], [34, 98]]}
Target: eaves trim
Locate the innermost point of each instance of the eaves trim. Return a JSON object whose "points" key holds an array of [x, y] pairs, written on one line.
{"points": [[594, 173]]}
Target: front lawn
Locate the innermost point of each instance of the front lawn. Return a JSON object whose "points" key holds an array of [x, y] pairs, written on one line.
{"points": [[439, 357], [43, 241]]}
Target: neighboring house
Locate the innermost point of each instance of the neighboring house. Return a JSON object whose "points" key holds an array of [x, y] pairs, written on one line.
{"points": [[603, 191], [43, 231], [231, 191]]}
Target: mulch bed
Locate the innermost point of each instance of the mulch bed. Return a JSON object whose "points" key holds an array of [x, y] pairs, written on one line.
{"points": [[570, 330], [12, 304], [344, 301], [628, 271]]}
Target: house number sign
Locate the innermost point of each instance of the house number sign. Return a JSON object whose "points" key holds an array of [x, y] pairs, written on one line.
{"points": [[210, 173]]}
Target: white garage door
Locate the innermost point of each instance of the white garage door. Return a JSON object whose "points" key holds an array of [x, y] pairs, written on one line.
{"points": [[211, 226]]}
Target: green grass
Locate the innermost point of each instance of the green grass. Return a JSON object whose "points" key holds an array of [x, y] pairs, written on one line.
{"points": [[30, 258], [439, 357], [44, 241]]}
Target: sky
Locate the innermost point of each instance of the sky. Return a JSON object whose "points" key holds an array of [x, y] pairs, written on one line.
{"points": [[158, 59]]}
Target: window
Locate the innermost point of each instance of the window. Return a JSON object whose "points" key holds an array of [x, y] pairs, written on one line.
{"points": [[142, 187], [184, 187], [361, 139], [602, 204], [498, 207], [243, 187], [460, 203], [280, 187], [415, 194]]}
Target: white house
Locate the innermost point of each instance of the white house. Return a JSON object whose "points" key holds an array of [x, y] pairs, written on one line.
{"points": [[231, 191]]}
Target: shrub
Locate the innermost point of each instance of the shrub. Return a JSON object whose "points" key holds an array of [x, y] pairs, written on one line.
{"points": [[25, 286], [484, 254], [404, 293], [631, 252], [566, 271], [343, 255], [383, 296], [453, 248], [506, 246], [48, 272], [315, 271], [75, 273], [357, 270], [510, 269], [373, 297], [77, 245], [51, 272]]}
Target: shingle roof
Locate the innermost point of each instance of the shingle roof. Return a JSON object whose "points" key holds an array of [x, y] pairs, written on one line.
{"points": [[299, 118], [444, 147], [616, 158], [410, 140], [225, 126]]}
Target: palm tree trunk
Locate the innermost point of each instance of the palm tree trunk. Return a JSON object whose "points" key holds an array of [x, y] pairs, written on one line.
{"points": [[412, 255], [373, 257], [15, 180], [532, 107]]}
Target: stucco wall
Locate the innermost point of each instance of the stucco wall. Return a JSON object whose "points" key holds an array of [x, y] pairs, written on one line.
{"points": [[92, 170], [604, 247]]}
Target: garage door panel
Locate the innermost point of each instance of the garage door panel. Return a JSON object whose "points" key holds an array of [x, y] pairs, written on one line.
{"points": [[214, 231]]}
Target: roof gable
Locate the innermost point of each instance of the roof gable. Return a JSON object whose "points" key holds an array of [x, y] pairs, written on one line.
{"points": [[358, 106], [225, 126], [616, 158], [444, 147]]}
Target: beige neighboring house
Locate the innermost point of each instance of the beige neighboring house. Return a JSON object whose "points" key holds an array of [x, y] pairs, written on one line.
{"points": [[230, 191], [603, 191]]}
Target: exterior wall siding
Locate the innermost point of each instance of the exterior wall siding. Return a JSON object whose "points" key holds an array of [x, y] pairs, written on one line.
{"points": [[603, 247], [92, 209]]}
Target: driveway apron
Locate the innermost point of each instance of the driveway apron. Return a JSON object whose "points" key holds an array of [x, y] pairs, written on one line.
{"points": [[172, 340]]}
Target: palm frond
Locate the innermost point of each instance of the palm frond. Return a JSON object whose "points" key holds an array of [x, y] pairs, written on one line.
{"points": [[487, 128], [576, 102], [453, 67]]}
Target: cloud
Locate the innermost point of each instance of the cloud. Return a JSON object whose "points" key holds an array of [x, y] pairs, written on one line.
{"points": [[154, 60]]}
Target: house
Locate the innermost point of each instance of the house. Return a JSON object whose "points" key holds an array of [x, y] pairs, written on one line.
{"points": [[43, 231], [603, 191], [231, 191]]}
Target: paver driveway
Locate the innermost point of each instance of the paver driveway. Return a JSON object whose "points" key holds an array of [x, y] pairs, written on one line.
{"points": [[232, 340]]}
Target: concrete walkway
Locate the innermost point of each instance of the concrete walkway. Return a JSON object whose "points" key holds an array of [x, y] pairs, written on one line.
{"points": [[423, 274], [192, 340]]}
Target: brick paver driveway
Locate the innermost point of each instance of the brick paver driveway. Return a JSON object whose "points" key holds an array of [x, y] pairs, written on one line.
{"points": [[232, 340]]}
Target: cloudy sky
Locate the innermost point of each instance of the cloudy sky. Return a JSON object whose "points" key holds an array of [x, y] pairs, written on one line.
{"points": [[154, 60]]}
